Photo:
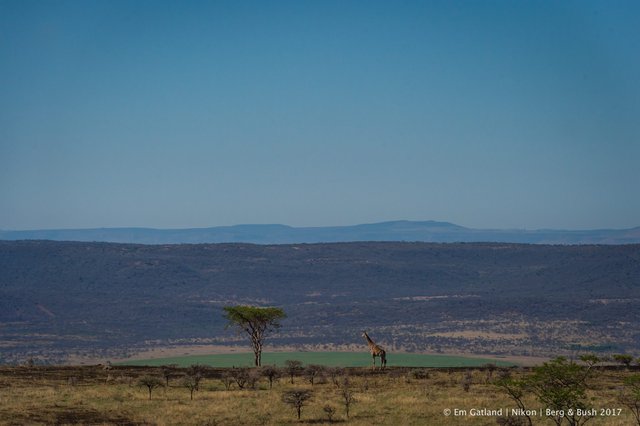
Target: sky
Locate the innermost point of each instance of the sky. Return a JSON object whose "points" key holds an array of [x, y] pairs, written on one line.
{"points": [[181, 114]]}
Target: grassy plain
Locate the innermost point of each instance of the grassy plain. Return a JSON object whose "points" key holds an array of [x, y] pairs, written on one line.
{"points": [[397, 396], [341, 359]]}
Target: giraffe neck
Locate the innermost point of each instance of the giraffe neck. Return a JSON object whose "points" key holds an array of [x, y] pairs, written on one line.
{"points": [[369, 341]]}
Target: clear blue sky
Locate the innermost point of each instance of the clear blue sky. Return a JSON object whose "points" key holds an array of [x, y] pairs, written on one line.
{"points": [[490, 114]]}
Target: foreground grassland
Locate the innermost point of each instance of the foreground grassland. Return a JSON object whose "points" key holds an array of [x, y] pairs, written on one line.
{"points": [[343, 359], [397, 396]]}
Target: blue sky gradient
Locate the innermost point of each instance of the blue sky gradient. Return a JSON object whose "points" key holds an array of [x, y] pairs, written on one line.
{"points": [[168, 114]]}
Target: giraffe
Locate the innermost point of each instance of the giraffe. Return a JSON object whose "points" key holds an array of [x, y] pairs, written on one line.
{"points": [[376, 351]]}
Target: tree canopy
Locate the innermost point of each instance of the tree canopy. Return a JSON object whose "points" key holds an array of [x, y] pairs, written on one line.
{"points": [[256, 322]]}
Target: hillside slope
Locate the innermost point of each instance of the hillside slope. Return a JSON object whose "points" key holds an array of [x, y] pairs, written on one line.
{"points": [[58, 298]]}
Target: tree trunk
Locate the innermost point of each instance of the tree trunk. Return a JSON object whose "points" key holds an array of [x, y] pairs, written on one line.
{"points": [[256, 342]]}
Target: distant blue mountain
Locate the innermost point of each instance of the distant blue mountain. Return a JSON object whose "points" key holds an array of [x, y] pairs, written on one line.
{"points": [[424, 231]]}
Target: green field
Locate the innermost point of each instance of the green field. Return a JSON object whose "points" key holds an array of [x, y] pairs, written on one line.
{"points": [[342, 359]]}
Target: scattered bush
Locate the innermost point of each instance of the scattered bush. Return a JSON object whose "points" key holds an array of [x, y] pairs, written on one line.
{"points": [[240, 376], [191, 383], [271, 372], [561, 385], [335, 373], [420, 374], [630, 395], [347, 394], [197, 372], [150, 382], [330, 411], [516, 391], [245, 377], [297, 398], [467, 380], [312, 372], [490, 368], [168, 372], [227, 380], [293, 367], [623, 359]]}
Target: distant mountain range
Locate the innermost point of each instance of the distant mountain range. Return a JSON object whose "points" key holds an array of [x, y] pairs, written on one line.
{"points": [[423, 231]]}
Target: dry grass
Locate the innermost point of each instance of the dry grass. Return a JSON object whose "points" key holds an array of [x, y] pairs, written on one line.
{"points": [[48, 396]]}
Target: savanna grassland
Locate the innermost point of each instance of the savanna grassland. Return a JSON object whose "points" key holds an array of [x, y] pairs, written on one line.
{"points": [[397, 396], [333, 359]]}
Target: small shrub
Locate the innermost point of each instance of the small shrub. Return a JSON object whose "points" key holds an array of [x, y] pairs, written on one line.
{"points": [[420, 374], [227, 380], [240, 375], [297, 398], [490, 368], [293, 367], [312, 372], [630, 395], [197, 372], [330, 411], [335, 373], [253, 378], [396, 373], [347, 394], [191, 383], [168, 372], [623, 359], [271, 372], [150, 382], [467, 380]]}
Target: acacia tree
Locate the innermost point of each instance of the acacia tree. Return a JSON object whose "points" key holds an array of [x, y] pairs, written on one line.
{"points": [[515, 388], [256, 322], [561, 386], [630, 395]]}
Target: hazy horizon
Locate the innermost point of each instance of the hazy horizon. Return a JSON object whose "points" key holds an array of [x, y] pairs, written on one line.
{"points": [[174, 115], [316, 226]]}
